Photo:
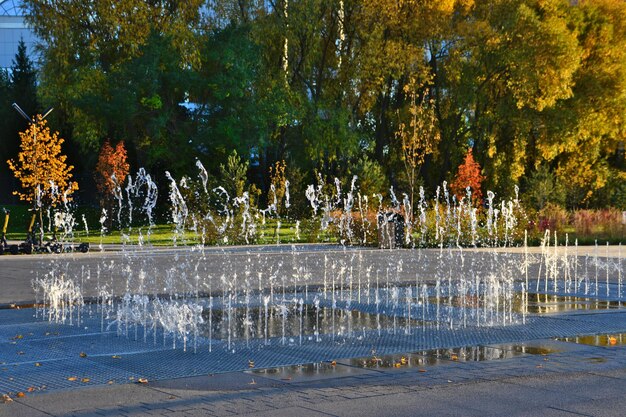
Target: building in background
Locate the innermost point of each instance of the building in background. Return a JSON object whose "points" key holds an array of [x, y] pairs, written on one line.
{"points": [[13, 28]]}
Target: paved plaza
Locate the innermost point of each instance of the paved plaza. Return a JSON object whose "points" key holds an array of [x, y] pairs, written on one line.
{"points": [[566, 363]]}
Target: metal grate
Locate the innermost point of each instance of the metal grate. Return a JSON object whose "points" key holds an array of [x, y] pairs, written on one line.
{"points": [[56, 348]]}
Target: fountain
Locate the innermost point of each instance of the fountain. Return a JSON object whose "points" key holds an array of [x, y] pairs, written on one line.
{"points": [[460, 282]]}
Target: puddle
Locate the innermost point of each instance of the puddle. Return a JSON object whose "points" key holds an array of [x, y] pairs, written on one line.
{"points": [[310, 371], [414, 360], [407, 360], [534, 347], [435, 357], [598, 340], [595, 360]]}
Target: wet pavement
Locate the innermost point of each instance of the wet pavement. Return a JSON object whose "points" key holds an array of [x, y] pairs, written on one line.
{"points": [[534, 378], [565, 361]]}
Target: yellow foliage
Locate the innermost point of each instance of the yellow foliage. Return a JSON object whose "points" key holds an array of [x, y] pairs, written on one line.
{"points": [[278, 178], [420, 138], [41, 168]]}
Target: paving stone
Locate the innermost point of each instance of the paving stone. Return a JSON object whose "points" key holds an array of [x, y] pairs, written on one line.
{"points": [[584, 386], [290, 412], [17, 409]]}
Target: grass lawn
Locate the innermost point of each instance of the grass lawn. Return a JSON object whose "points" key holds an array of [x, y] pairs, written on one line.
{"points": [[158, 235], [165, 234]]}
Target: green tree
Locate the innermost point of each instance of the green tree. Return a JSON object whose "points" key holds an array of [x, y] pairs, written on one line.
{"points": [[5, 114], [24, 81], [234, 175], [91, 48], [542, 187], [18, 84], [229, 91]]}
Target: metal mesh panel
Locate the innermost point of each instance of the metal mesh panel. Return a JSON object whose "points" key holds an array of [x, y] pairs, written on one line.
{"points": [[34, 353]]}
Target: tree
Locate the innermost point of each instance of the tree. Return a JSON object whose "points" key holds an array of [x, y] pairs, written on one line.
{"points": [[41, 169], [234, 175], [18, 84], [229, 94], [513, 62], [419, 139], [468, 175], [279, 186], [121, 70], [542, 187], [320, 84], [584, 133], [6, 117], [111, 161], [24, 81]]}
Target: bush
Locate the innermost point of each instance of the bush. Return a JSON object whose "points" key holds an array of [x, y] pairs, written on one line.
{"points": [[552, 217]]}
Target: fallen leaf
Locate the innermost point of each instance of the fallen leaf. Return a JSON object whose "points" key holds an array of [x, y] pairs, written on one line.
{"points": [[397, 364], [110, 382], [142, 381], [18, 337], [612, 340], [454, 357], [20, 395], [31, 389], [85, 380], [6, 399], [422, 370], [37, 364], [83, 355], [116, 357], [72, 378], [403, 360], [333, 363]]}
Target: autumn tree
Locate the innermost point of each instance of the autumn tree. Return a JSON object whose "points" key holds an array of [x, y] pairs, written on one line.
{"points": [[279, 186], [418, 139], [41, 169], [112, 163], [320, 83], [468, 175]]}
